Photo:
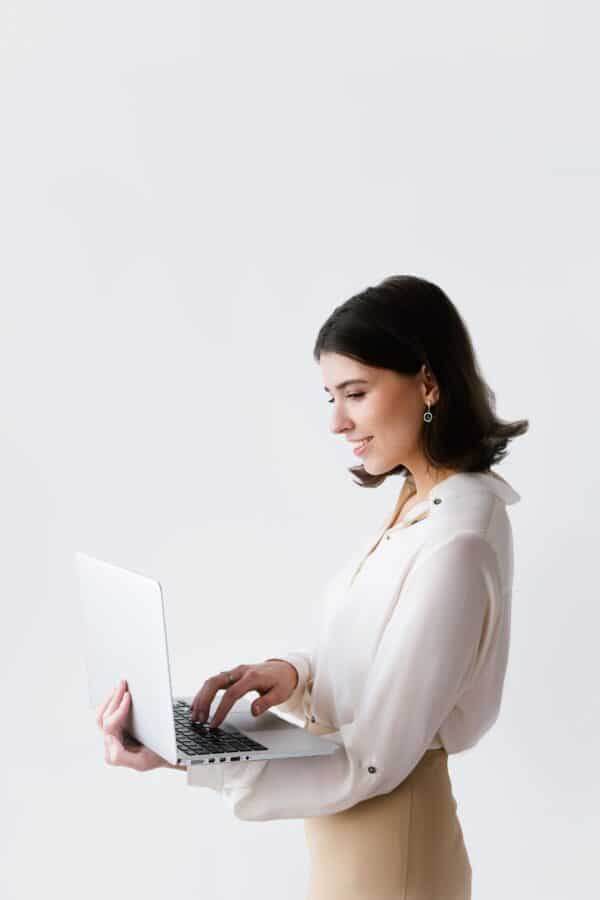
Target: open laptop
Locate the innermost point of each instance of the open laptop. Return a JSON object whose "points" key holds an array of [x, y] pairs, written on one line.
{"points": [[125, 637]]}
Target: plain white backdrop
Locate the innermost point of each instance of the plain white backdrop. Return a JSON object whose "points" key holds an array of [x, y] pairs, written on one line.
{"points": [[187, 191]]}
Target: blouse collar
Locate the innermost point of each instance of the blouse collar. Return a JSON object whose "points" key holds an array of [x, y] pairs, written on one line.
{"points": [[459, 484]]}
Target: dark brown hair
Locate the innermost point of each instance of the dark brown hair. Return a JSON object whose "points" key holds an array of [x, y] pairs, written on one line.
{"points": [[401, 324]]}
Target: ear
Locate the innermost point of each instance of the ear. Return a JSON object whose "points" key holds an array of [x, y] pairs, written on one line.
{"points": [[431, 391]]}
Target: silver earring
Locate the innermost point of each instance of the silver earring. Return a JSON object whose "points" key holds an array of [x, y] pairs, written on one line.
{"points": [[428, 416]]}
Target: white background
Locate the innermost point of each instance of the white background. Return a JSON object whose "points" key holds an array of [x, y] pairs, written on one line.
{"points": [[187, 190]]}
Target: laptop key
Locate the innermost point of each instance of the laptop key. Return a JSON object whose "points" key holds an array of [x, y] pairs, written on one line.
{"points": [[199, 738]]}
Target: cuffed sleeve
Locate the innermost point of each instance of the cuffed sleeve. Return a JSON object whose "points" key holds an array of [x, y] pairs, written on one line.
{"points": [[294, 705], [429, 652]]}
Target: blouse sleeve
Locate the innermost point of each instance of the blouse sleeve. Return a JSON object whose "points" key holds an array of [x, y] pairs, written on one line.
{"points": [[294, 705], [426, 657]]}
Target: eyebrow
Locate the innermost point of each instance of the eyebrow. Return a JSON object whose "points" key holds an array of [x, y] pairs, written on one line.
{"points": [[344, 384]]}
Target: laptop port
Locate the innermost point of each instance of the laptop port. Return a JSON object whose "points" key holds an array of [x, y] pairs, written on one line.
{"points": [[234, 759], [211, 760]]}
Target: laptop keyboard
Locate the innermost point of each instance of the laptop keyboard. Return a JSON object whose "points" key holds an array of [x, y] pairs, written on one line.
{"points": [[196, 738]]}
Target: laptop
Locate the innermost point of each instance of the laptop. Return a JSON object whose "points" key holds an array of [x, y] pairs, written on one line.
{"points": [[125, 636]]}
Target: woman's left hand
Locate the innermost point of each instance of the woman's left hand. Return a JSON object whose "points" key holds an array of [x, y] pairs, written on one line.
{"points": [[119, 748]]}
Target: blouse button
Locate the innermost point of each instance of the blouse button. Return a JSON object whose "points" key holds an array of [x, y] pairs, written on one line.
{"points": [[387, 537], [437, 500], [372, 769]]}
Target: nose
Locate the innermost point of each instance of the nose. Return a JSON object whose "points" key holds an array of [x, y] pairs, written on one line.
{"points": [[339, 423]]}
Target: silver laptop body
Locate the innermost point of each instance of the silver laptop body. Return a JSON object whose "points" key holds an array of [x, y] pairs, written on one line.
{"points": [[125, 637]]}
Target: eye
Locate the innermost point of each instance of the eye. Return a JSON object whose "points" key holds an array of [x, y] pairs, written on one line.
{"points": [[348, 396]]}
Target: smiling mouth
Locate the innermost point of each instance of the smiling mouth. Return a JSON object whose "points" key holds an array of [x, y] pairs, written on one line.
{"points": [[360, 446]]}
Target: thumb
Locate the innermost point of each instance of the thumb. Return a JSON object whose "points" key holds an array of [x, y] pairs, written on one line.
{"points": [[263, 703]]}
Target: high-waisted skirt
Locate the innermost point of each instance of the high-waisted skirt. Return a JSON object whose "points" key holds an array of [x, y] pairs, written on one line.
{"points": [[404, 845]]}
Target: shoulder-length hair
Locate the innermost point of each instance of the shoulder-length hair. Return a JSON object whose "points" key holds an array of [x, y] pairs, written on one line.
{"points": [[401, 324]]}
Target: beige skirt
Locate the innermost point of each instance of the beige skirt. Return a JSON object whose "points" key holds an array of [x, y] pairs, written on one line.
{"points": [[405, 845]]}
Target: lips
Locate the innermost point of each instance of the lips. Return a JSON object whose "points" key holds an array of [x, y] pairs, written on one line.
{"points": [[362, 446]]}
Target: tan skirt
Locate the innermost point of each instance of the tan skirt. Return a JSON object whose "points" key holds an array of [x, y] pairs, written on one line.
{"points": [[405, 845]]}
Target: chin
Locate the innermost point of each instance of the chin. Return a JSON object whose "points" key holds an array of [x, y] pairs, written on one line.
{"points": [[371, 468]]}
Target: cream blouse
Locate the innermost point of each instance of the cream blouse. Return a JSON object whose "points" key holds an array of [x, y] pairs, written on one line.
{"points": [[411, 655]]}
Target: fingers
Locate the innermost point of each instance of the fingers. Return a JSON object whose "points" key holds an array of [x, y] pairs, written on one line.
{"points": [[112, 713], [271, 698], [231, 696], [203, 699], [111, 716], [101, 709], [114, 719], [251, 680]]}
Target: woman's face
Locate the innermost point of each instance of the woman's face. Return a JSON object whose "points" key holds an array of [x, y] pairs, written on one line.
{"points": [[383, 405]]}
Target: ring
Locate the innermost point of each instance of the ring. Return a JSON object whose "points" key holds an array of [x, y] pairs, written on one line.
{"points": [[230, 678]]}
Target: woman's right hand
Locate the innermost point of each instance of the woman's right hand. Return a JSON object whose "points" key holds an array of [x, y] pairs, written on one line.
{"points": [[275, 680]]}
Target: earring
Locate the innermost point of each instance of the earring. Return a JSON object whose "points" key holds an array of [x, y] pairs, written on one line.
{"points": [[428, 416]]}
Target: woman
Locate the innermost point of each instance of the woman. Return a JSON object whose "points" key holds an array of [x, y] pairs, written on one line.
{"points": [[411, 656]]}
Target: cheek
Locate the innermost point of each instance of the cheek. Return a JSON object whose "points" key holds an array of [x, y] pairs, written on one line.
{"points": [[390, 425]]}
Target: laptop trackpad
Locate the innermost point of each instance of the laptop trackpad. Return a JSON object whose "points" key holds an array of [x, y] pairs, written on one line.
{"points": [[243, 720]]}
